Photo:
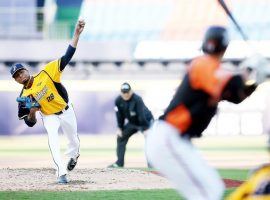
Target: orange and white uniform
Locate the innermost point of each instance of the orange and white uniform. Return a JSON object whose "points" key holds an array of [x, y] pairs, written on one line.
{"points": [[168, 146]]}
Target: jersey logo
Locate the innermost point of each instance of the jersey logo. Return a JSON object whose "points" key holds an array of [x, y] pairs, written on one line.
{"points": [[41, 93]]}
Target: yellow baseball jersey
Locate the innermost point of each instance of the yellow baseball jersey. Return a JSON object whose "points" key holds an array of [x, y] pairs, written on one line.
{"points": [[47, 89], [255, 188]]}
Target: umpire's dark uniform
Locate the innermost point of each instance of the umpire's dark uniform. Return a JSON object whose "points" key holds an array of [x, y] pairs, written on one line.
{"points": [[132, 116]]}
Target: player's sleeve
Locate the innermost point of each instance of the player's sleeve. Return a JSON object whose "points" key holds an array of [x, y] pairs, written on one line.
{"points": [[29, 122], [55, 68], [208, 79], [22, 110], [67, 57], [23, 113], [236, 90], [119, 116], [141, 112]]}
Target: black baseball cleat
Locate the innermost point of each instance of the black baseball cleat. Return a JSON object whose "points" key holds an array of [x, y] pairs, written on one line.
{"points": [[72, 163]]}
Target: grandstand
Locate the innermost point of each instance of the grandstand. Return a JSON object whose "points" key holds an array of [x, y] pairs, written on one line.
{"points": [[124, 31]]}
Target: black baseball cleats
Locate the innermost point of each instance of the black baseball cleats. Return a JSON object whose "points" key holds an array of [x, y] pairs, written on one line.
{"points": [[72, 163]]}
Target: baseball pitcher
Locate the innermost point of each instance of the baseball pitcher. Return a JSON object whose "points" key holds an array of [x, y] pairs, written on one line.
{"points": [[45, 93]]}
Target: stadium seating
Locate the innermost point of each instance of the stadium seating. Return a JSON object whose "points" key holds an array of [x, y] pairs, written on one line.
{"points": [[18, 19]]}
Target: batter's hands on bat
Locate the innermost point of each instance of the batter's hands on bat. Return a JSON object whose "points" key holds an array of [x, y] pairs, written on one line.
{"points": [[79, 27], [256, 68]]}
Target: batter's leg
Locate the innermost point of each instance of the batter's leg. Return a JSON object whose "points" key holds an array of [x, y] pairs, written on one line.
{"points": [[178, 160]]}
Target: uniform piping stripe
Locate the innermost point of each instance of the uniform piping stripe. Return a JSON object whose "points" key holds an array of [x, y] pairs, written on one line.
{"points": [[182, 164], [53, 159], [57, 89], [51, 151], [59, 70], [76, 131]]}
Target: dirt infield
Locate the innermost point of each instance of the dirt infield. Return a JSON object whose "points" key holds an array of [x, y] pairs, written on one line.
{"points": [[80, 180], [229, 183], [85, 180], [25, 163], [232, 183]]}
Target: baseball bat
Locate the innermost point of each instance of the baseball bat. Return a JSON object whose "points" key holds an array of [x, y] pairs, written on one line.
{"points": [[229, 13], [258, 58], [244, 36]]}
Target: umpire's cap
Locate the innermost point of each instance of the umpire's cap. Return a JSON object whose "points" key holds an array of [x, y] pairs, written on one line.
{"points": [[125, 87], [216, 40], [16, 67]]}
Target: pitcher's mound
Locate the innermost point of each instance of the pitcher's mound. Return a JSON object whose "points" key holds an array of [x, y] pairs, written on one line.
{"points": [[81, 179]]}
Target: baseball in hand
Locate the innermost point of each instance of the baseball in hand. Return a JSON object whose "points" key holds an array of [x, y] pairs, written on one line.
{"points": [[80, 26]]}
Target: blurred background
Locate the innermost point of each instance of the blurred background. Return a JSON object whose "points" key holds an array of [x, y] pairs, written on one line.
{"points": [[147, 43]]}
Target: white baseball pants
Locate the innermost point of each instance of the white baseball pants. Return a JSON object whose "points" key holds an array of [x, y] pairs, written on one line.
{"points": [[67, 121], [179, 161]]}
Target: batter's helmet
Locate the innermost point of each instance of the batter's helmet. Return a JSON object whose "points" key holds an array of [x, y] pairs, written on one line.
{"points": [[216, 40]]}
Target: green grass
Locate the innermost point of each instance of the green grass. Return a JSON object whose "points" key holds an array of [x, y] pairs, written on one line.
{"points": [[108, 195], [228, 191], [235, 174], [12, 148], [96, 195], [114, 194]]}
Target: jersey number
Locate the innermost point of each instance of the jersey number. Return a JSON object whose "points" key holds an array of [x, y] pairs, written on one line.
{"points": [[50, 98]]}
